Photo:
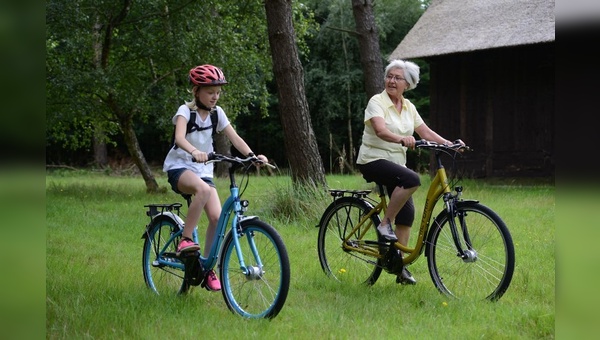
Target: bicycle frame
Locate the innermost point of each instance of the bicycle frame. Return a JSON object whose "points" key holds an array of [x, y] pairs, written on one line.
{"points": [[439, 186], [232, 210], [232, 206]]}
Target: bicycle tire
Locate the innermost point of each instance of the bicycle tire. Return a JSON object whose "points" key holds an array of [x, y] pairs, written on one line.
{"points": [[162, 277], [343, 265], [260, 293], [489, 276]]}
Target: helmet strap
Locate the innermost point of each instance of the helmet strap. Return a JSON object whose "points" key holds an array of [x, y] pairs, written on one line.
{"points": [[201, 106]]}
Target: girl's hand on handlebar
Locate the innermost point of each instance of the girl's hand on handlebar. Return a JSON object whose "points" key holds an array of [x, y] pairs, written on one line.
{"points": [[199, 156], [263, 160]]}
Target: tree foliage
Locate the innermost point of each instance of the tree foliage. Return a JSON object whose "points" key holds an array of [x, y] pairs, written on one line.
{"points": [[157, 42], [139, 53], [334, 75]]}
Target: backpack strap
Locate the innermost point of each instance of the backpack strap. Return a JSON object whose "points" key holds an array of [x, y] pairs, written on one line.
{"points": [[192, 126], [214, 120]]}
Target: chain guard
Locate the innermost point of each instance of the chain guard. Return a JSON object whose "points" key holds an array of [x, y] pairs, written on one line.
{"points": [[194, 271], [392, 261]]}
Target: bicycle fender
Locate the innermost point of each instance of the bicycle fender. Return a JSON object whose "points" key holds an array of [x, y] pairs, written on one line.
{"points": [[165, 216], [248, 218], [341, 200]]}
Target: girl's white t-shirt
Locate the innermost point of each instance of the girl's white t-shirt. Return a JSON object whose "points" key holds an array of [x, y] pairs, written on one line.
{"points": [[201, 140]]}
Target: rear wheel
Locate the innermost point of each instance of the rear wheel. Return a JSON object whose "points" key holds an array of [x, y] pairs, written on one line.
{"points": [[345, 264], [163, 271]]}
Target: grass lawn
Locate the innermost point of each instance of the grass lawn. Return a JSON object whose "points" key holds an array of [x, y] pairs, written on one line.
{"points": [[95, 288]]}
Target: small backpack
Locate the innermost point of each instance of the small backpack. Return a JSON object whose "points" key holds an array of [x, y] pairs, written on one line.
{"points": [[192, 126]]}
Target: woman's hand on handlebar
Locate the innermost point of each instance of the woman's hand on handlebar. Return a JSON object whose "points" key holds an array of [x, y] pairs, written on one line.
{"points": [[459, 141], [408, 141]]}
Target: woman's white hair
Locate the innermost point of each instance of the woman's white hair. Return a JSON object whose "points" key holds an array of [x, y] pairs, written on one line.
{"points": [[411, 71]]}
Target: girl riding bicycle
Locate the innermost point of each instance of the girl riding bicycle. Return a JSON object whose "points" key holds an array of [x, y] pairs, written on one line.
{"points": [[184, 163]]}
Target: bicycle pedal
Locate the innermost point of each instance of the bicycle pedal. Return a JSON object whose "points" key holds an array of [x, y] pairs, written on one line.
{"points": [[405, 278], [405, 282]]}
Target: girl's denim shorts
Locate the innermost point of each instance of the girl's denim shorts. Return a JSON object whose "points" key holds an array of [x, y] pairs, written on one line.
{"points": [[174, 174]]}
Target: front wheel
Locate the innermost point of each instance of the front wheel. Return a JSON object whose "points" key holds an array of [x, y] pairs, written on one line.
{"points": [[261, 288], [357, 261], [488, 271]]}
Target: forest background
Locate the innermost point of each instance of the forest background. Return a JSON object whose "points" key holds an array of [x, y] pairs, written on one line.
{"points": [[114, 71]]}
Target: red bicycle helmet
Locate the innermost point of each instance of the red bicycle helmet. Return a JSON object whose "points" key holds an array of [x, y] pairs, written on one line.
{"points": [[207, 75]]}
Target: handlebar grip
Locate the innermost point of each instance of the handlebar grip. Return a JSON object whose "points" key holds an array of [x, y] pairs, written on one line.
{"points": [[211, 157], [417, 142]]}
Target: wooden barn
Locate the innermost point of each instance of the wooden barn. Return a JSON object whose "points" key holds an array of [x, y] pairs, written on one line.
{"points": [[492, 81]]}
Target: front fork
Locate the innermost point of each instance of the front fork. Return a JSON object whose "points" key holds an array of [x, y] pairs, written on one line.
{"points": [[252, 272], [466, 253]]}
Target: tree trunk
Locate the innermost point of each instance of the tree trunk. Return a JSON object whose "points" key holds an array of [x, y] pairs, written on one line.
{"points": [[368, 42], [302, 151], [133, 146], [222, 146], [100, 151], [136, 153], [349, 113]]}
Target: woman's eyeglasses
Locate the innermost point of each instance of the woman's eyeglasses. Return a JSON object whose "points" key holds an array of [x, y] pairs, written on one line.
{"points": [[397, 79]]}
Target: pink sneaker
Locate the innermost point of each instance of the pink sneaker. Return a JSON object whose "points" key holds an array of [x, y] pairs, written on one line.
{"points": [[211, 282], [187, 244]]}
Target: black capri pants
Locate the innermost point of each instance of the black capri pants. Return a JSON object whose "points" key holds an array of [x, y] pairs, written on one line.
{"points": [[392, 175]]}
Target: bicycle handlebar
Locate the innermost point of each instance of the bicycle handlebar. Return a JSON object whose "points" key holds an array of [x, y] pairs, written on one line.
{"points": [[214, 157], [455, 146]]}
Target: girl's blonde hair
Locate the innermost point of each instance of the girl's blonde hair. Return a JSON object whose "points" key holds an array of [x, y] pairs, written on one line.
{"points": [[192, 104]]}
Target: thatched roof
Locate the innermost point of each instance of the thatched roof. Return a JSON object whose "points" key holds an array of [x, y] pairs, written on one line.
{"points": [[451, 26]]}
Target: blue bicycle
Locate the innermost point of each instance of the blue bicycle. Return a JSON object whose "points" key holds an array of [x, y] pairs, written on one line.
{"points": [[253, 263]]}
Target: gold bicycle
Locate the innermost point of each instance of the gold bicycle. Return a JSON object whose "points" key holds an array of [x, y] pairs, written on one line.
{"points": [[470, 252]]}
